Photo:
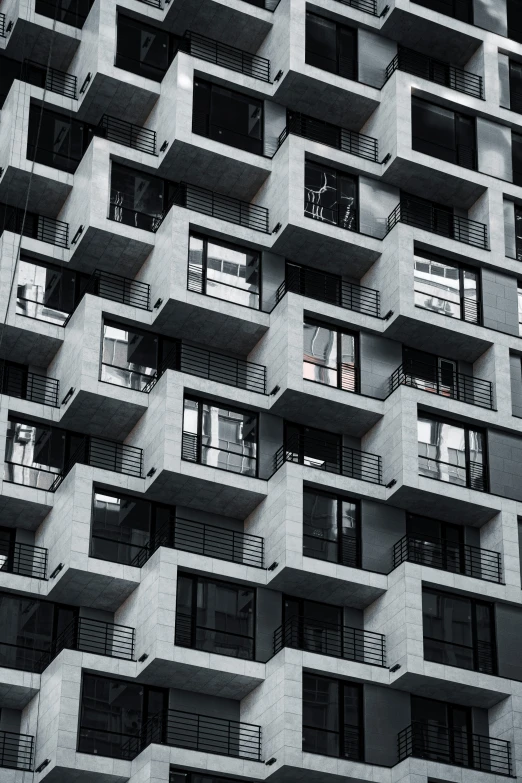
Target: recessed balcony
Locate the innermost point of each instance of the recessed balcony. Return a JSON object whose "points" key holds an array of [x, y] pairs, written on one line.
{"points": [[436, 71], [29, 224], [444, 381], [16, 751], [428, 217], [455, 557], [23, 559]]}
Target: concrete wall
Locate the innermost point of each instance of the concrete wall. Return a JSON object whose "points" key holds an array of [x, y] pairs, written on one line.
{"points": [[375, 53], [379, 358], [508, 629], [381, 527], [505, 464], [499, 301], [386, 712]]}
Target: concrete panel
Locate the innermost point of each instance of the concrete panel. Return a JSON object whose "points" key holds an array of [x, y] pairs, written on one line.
{"points": [[494, 149], [505, 464], [508, 629], [381, 527], [500, 301], [386, 712]]}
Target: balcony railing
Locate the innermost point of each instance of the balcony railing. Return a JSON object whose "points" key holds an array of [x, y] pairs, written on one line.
{"points": [[440, 222], [228, 56], [50, 79], [436, 71], [468, 310], [128, 134], [117, 288], [203, 733], [212, 366], [456, 385], [28, 386], [330, 457], [457, 747], [23, 559], [212, 541], [104, 454], [16, 751], [329, 288], [29, 224], [352, 644], [370, 6], [472, 475], [449, 556], [338, 215], [269, 5], [199, 637], [2, 25], [332, 135], [228, 208]]}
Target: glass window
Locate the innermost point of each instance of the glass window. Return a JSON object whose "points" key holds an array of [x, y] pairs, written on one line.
{"points": [[121, 528], [215, 616], [458, 631], [113, 711], [224, 271], [515, 86], [329, 356], [514, 20], [331, 46], [330, 196], [516, 149], [518, 232], [519, 293], [331, 717], [314, 448], [129, 356], [137, 198], [458, 9], [56, 140], [224, 438], [46, 293], [440, 731], [142, 49], [331, 528], [34, 454], [443, 133], [448, 452], [9, 71], [228, 116]]}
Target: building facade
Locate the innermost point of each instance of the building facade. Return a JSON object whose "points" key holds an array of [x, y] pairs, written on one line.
{"points": [[261, 391]]}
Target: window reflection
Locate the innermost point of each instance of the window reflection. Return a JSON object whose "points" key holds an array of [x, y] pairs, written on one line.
{"points": [[228, 116], [129, 356], [224, 438], [44, 292], [332, 717], [224, 271], [330, 196], [331, 529], [121, 527], [451, 453], [137, 198], [446, 288], [443, 133], [329, 356]]}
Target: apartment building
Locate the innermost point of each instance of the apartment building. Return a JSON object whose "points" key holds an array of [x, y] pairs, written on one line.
{"points": [[260, 391]]}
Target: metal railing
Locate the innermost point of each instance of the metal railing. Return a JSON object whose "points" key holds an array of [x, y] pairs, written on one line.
{"points": [[329, 288], [370, 6], [453, 746], [338, 215], [2, 25], [212, 541], [436, 71], [95, 636], [338, 641], [436, 380], [332, 135], [213, 640], [117, 288], [104, 454], [16, 750], [438, 221], [50, 79], [228, 56], [128, 134], [208, 202], [472, 475], [212, 366], [347, 376], [28, 386], [193, 449], [204, 733], [469, 309], [23, 559], [46, 229], [330, 457], [449, 556]]}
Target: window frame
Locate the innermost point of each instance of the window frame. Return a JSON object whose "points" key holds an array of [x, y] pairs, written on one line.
{"points": [[339, 331], [339, 499], [341, 723], [461, 269]]}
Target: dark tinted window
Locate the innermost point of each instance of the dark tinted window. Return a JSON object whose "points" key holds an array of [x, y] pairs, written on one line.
{"points": [[330, 196], [331, 528], [56, 140], [332, 723], [514, 19], [331, 46], [141, 48], [228, 116], [443, 133]]}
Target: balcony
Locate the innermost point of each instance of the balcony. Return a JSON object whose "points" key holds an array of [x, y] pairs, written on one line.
{"points": [[50, 79], [29, 224], [449, 556], [202, 733], [228, 56], [369, 6], [454, 385], [28, 385], [456, 747], [212, 366], [207, 202], [324, 287], [439, 221], [82, 634], [352, 644], [436, 71], [330, 457], [117, 288], [190, 536], [122, 132], [96, 452], [331, 135], [23, 559], [16, 751]]}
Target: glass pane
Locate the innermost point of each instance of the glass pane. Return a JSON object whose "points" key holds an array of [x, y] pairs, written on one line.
{"points": [[229, 439], [320, 354], [129, 357], [120, 527], [447, 621], [233, 274], [195, 266], [111, 713], [321, 42], [137, 198], [45, 293], [141, 48], [320, 526], [236, 119], [34, 454], [321, 193], [225, 618], [442, 451], [437, 285], [433, 130]]}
